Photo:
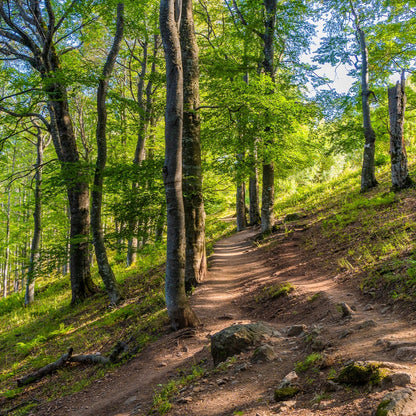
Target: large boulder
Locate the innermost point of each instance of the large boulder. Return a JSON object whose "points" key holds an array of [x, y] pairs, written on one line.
{"points": [[238, 338]]}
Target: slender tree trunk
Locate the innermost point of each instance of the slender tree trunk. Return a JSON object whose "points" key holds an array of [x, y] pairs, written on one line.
{"points": [[254, 212], [179, 310], [104, 267], [196, 264], [397, 104], [268, 165], [37, 227], [6, 270], [368, 178], [241, 206]]}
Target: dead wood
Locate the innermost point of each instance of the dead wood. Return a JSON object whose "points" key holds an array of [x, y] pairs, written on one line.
{"points": [[119, 348], [48, 369]]}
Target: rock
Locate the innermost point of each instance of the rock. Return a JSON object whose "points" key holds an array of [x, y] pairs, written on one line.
{"points": [[221, 382], [368, 308], [358, 374], [385, 310], [284, 393], [289, 379], [397, 379], [406, 353], [345, 333], [238, 338], [241, 367], [319, 344], [264, 353], [397, 403], [184, 400], [367, 324], [346, 310], [295, 330], [131, 400]]}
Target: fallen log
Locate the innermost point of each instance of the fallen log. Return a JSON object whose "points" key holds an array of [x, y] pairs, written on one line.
{"points": [[119, 348], [48, 369]]}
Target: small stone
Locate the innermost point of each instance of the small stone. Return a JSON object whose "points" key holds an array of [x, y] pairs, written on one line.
{"points": [[240, 367], [345, 333], [221, 382], [406, 353], [264, 353], [184, 400], [368, 308], [385, 310], [131, 400], [346, 310], [295, 330], [281, 394], [289, 379], [398, 379], [163, 364], [370, 323]]}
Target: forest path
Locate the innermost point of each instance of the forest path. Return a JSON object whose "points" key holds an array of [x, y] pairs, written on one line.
{"points": [[234, 292]]}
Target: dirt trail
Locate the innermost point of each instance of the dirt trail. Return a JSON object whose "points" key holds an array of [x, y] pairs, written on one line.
{"points": [[234, 292]]}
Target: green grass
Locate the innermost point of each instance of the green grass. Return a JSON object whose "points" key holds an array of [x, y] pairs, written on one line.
{"points": [[310, 361], [369, 236], [34, 336], [164, 393]]}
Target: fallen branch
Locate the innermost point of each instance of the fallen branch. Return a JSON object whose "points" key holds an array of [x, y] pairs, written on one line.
{"points": [[48, 369], [119, 348]]}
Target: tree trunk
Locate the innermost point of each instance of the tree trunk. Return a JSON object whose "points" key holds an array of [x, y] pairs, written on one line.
{"points": [[268, 165], [241, 206], [196, 264], [179, 310], [104, 267], [78, 195], [254, 211], [368, 178], [397, 104], [37, 228]]}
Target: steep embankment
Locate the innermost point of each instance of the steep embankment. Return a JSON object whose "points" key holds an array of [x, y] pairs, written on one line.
{"points": [[287, 282]]}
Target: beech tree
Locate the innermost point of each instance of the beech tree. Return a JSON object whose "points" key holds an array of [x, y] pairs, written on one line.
{"points": [[104, 267], [196, 262], [179, 310], [33, 36]]}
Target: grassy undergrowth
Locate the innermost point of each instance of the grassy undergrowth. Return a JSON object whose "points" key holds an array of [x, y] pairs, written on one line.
{"points": [[37, 335], [370, 236]]}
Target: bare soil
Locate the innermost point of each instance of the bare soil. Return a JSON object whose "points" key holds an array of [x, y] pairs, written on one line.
{"points": [[237, 291]]}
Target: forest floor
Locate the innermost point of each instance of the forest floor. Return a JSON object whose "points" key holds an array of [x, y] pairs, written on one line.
{"points": [[239, 289]]}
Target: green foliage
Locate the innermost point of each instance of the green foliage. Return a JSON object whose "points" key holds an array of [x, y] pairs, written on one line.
{"points": [[275, 291], [161, 398], [310, 361]]}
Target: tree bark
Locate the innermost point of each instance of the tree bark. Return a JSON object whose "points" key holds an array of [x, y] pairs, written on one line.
{"points": [[268, 165], [368, 178], [397, 104], [179, 310], [196, 264], [254, 211], [241, 206], [37, 226], [104, 267], [6, 270]]}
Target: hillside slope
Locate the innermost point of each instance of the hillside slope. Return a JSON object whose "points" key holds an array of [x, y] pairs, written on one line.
{"points": [[243, 286]]}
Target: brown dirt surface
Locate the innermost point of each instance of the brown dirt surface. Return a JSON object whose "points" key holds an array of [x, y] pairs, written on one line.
{"points": [[240, 288]]}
